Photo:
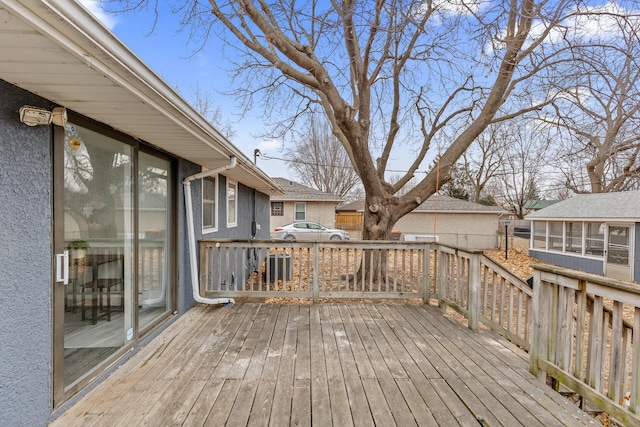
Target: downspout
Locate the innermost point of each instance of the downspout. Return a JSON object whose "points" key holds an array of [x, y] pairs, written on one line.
{"points": [[191, 232]]}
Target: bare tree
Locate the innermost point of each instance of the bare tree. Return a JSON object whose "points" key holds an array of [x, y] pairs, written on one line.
{"points": [[319, 160], [393, 75], [407, 186], [483, 161], [523, 165], [204, 104], [598, 112]]}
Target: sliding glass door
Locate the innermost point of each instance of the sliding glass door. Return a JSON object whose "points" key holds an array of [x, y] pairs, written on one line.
{"points": [[113, 238], [154, 219]]}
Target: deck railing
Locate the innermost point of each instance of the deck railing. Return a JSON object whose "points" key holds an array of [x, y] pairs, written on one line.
{"points": [[268, 268], [585, 330], [579, 328], [484, 292]]}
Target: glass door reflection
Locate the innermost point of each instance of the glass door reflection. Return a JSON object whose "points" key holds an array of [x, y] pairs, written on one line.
{"points": [[98, 233], [154, 175]]}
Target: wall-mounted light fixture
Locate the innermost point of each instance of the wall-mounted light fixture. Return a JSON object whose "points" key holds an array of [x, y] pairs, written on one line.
{"points": [[33, 116]]}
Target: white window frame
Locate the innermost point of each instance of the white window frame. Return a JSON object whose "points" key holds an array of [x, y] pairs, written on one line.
{"points": [[295, 211], [206, 230], [233, 223]]}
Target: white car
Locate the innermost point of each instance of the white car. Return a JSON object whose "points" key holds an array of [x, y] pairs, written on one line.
{"points": [[309, 231]]}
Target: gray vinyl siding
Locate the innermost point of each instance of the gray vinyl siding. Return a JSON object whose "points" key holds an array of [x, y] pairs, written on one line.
{"points": [[636, 254], [25, 271], [588, 265]]}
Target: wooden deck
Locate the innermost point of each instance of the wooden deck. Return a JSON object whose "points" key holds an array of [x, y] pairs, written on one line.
{"points": [[325, 364]]}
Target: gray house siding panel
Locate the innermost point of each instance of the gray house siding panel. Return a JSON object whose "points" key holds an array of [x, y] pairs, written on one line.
{"points": [[576, 263], [185, 294], [636, 254], [25, 296], [245, 212]]}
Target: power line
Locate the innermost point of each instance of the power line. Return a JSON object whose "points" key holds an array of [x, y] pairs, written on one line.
{"points": [[266, 157]]}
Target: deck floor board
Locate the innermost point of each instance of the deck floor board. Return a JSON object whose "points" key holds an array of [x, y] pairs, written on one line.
{"points": [[323, 365]]}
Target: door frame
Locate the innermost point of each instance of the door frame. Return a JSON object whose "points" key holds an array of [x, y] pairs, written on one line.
{"points": [[58, 246], [606, 265], [59, 394]]}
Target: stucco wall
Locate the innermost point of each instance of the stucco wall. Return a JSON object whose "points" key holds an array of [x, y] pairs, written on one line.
{"points": [[472, 231], [321, 212], [25, 270]]}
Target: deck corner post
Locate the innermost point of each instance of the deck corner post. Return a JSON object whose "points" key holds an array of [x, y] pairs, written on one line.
{"points": [[539, 329], [473, 298], [204, 267], [316, 273]]}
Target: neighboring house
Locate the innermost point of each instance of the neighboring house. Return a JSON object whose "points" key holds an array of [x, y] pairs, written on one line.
{"points": [[531, 206], [99, 227], [445, 219], [596, 233], [302, 203]]}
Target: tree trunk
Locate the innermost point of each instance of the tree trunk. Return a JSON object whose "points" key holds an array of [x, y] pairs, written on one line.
{"points": [[377, 225]]}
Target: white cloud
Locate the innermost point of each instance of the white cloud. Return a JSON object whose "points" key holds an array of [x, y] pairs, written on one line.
{"points": [[270, 146], [597, 22], [444, 9], [458, 7], [96, 9]]}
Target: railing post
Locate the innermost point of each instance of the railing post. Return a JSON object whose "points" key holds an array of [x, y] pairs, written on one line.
{"points": [[473, 298], [443, 281], [204, 267], [315, 291], [426, 282], [539, 336]]}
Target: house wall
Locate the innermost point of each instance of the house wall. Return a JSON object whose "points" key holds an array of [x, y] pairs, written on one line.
{"points": [[588, 265], [25, 270], [246, 208], [321, 212], [636, 253], [463, 230]]}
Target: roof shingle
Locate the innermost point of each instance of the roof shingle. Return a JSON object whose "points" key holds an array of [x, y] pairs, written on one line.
{"points": [[618, 206], [298, 192]]}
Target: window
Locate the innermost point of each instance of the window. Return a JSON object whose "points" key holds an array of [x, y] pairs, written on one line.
{"points": [[209, 211], [594, 238], [232, 204], [277, 208], [555, 235], [300, 212], [573, 237], [539, 235]]}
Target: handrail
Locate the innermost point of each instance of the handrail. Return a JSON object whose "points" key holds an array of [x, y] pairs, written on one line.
{"points": [[572, 323], [582, 340]]}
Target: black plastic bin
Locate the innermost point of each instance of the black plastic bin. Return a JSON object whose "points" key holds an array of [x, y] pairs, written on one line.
{"points": [[280, 267]]}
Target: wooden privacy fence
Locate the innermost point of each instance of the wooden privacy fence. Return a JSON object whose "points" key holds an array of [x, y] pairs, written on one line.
{"points": [[580, 329]]}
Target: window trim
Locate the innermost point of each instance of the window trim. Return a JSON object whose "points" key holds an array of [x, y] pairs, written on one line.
{"points": [[235, 202], [281, 204], [585, 237], [207, 230], [295, 211]]}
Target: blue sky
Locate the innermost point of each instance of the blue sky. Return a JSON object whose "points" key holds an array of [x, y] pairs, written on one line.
{"points": [[167, 52]]}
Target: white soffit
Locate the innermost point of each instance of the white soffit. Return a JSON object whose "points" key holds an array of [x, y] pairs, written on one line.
{"points": [[61, 53]]}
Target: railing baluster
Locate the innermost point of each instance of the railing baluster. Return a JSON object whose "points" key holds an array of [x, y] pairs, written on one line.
{"points": [[634, 398]]}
